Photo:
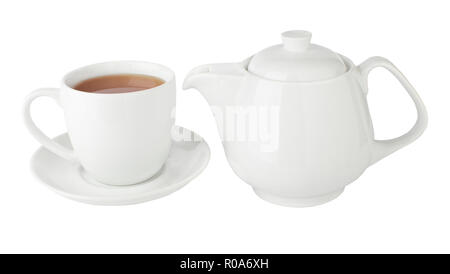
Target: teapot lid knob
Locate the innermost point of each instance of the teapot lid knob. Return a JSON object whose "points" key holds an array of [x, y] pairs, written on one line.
{"points": [[296, 40]]}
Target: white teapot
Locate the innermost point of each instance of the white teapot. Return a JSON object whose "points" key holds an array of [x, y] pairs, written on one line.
{"points": [[294, 119]]}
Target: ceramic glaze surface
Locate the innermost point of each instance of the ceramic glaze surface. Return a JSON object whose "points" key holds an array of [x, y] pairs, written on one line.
{"points": [[323, 133], [297, 59], [323, 137], [187, 158], [121, 138]]}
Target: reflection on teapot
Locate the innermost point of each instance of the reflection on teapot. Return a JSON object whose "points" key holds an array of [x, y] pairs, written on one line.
{"points": [[294, 119]]}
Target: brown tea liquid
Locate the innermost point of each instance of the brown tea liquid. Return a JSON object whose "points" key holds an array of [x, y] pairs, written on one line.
{"points": [[119, 83]]}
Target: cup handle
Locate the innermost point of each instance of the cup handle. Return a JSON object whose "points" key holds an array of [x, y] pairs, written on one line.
{"points": [[382, 148], [48, 143]]}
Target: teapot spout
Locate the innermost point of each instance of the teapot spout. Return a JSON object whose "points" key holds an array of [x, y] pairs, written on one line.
{"points": [[218, 83]]}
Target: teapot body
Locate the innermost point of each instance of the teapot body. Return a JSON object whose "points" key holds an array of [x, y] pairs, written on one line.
{"points": [[299, 143], [306, 139]]}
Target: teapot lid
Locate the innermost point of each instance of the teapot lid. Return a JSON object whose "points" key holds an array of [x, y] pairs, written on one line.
{"points": [[297, 60]]}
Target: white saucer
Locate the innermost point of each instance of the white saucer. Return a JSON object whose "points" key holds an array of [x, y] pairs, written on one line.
{"points": [[187, 159]]}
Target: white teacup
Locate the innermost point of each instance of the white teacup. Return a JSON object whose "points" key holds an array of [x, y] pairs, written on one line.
{"points": [[119, 139]]}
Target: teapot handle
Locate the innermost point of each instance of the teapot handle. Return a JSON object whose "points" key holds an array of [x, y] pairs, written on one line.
{"points": [[382, 148]]}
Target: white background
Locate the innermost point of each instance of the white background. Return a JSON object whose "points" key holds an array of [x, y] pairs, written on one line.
{"points": [[401, 204]]}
